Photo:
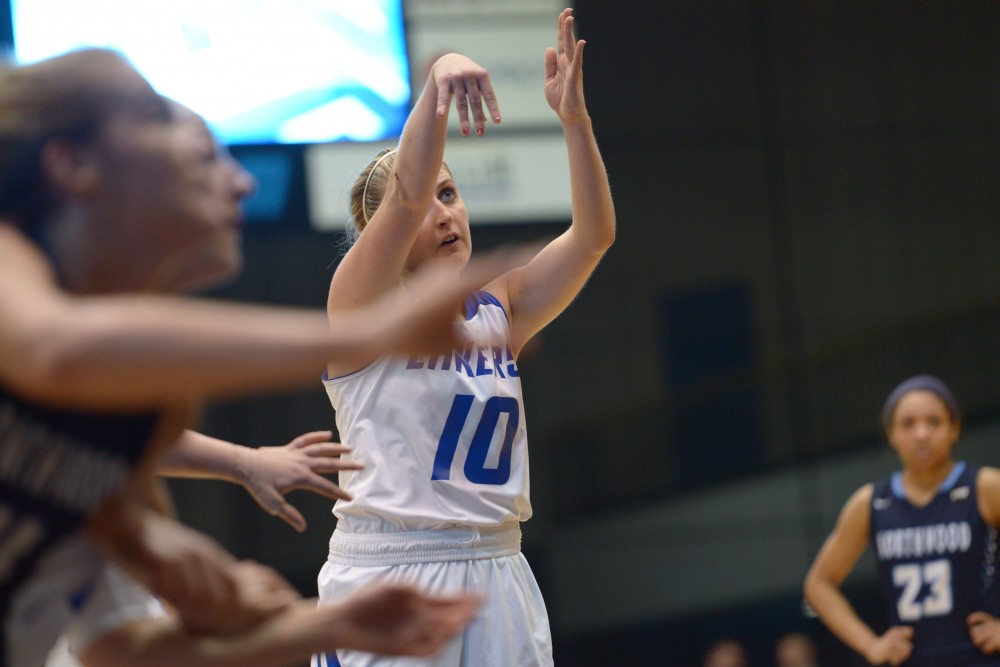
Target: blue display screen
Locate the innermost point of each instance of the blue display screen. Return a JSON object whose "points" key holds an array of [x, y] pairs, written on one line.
{"points": [[260, 71]]}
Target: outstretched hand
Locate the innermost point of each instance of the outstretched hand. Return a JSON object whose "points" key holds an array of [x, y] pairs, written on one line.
{"points": [[208, 588], [268, 473], [984, 630], [399, 620], [458, 76], [564, 73]]}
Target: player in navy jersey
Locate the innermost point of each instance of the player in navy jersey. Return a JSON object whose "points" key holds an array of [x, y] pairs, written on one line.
{"points": [[443, 438], [933, 529]]}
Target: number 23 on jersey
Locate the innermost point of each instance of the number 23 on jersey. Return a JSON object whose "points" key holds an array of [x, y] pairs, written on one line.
{"points": [[912, 578]]}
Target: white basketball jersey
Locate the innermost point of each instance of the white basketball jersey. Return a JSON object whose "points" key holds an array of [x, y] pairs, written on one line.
{"points": [[442, 438]]}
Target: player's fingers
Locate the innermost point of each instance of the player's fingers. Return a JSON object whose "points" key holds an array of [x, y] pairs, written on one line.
{"points": [[326, 450], [269, 498], [476, 107], [568, 41], [462, 104], [262, 589], [328, 466], [577, 69], [311, 438], [329, 458], [323, 487], [446, 617], [338, 466], [320, 451], [903, 652], [550, 63], [490, 98], [899, 652], [453, 614], [443, 100], [292, 516], [561, 32], [461, 608], [427, 636]]}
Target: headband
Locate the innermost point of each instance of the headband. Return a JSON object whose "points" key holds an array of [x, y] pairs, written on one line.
{"points": [[364, 193], [919, 383]]}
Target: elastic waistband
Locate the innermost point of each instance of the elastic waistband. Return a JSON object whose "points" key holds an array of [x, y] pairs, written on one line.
{"points": [[425, 546]]}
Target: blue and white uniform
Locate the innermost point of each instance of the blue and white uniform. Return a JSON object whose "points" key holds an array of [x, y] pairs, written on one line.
{"points": [[114, 600], [56, 467], [444, 488], [937, 565]]}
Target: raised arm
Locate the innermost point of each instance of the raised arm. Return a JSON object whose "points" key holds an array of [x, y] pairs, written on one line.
{"points": [[834, 562], [267, 473], [542, 289], [373, 265]]}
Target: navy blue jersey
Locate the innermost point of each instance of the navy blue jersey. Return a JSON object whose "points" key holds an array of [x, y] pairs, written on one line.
{"points": [[56, 467], [937, 565]]}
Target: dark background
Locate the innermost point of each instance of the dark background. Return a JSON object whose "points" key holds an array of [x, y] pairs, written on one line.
{"points": [[808, 205]]}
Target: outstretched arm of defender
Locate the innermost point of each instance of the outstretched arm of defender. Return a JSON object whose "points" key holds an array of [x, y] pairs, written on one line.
{"points": [[267, 473]]}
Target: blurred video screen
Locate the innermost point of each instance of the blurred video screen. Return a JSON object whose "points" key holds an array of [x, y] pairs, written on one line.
{"points": [[260, 71]]}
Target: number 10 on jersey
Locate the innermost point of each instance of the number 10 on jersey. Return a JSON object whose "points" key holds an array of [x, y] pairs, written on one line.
{"points": [[476, 469]]}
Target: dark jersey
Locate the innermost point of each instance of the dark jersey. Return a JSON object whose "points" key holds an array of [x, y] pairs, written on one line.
{"points": [[937, 564], [56, 467]]}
